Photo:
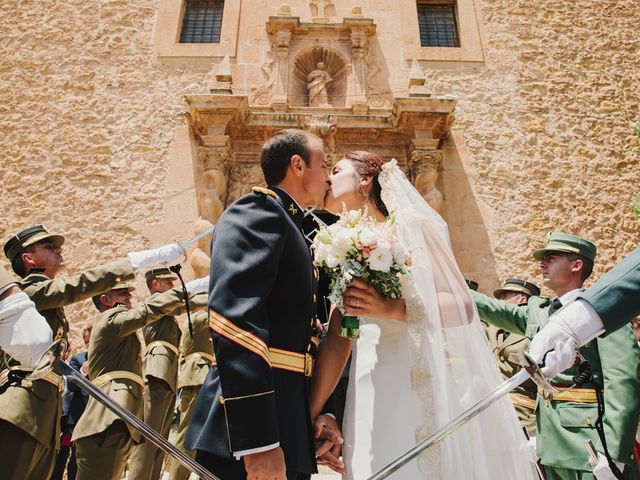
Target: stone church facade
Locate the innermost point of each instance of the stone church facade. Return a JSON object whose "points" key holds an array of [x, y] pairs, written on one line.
{"points": [[122, 124]]}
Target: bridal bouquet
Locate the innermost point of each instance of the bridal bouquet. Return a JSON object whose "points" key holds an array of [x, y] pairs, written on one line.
{"points": [[357, 246]]}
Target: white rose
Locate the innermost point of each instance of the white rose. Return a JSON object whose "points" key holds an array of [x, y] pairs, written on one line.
{"points": [[343, 240], [333, 261], [367, 237], [381, 259], [323, 236], [321, 253], [399, 253]]}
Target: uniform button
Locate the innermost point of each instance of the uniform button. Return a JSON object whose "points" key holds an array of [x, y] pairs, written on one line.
{"points": [[501, 358], [588, 422], [314, 297]]}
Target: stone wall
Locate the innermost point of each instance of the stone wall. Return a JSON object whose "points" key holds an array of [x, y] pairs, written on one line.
{"points": [[93, 133]]}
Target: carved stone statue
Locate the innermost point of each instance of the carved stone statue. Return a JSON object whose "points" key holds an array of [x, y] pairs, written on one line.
{"points": [[317, 86], [199, 259], [426, 166]]}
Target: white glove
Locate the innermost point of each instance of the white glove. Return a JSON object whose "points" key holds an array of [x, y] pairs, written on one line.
{"points": [[577, 321], [24, 333], [529, 450], [165, 254], [602, 471], [198, 285], [563, 356]]}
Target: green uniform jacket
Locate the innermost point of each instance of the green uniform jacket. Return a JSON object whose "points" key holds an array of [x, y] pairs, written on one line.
{"points": [[35, 408], [115, 346], [194, 370], [160, 361], [563, 427], [616, 296]]}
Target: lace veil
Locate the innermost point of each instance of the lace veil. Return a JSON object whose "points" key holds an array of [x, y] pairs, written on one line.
{"points": [[452, 362]]}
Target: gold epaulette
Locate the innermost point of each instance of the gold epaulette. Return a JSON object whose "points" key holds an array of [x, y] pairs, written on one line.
{"points": [[265, 191]]}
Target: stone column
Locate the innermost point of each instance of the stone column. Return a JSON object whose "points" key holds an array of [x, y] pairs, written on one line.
{"points": [[281, 77], [357, 87], [425, 166], [214, 158]]}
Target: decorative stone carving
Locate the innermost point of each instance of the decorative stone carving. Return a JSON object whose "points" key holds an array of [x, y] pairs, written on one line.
{"points": [[210, 197], [221, 81], [199, 259], [325, 127], [425, 166], [242, 178], [320, 10], [318, 78], [317, 86]]}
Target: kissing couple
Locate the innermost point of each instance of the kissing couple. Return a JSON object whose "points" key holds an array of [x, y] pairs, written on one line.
{"points": [[418, 362]]}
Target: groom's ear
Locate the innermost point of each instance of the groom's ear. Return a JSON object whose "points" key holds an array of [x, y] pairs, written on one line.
{"points": [[297, 165]]}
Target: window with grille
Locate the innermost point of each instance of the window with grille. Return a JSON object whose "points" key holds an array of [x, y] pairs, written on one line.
{"points": [[438, 25], [202, 21]]}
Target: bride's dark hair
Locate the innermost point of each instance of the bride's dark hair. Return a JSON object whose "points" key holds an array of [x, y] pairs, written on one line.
{"points": [[368, 164]]}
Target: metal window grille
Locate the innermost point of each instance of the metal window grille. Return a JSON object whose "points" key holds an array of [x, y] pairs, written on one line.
{"points": [[438, 25], [202, 21]]}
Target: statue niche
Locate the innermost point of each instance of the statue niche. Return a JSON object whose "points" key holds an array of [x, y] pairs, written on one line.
{"points": [[318, 79]]}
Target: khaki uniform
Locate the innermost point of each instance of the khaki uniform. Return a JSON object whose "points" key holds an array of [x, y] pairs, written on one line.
{"points": [[102, 442], [5, 277], [160, 366], [195, 360], [30, 411], [505, 347]]}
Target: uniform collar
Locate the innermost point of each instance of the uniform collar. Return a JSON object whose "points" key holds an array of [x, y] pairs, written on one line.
{"points": [[290, 205]]}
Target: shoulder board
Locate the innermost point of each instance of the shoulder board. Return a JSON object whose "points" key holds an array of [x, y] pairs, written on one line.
{"points": [[265, 191]]}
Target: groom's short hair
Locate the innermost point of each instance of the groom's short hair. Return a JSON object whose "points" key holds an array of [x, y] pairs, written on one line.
{"points": [[277, 152]]}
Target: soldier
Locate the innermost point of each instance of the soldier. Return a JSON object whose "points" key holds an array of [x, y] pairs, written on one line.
{"points": [[103, 440], [252, 417], [571, 416], [24, 333], [160, 368], [30, 411], [609, 304], [196, 357], [506, 345]]}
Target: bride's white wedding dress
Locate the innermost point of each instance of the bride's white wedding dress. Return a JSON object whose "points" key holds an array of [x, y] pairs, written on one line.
{"points": [[409, 378]]}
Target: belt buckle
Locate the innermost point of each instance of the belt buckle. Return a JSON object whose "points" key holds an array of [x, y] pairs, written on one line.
{"points": [[308, 364]]}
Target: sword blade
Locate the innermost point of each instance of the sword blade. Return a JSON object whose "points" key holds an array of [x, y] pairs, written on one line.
{"points": [[149, 433], [190, 242], [453, 425]]}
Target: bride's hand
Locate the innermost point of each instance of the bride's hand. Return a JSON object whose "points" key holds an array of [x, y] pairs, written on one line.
{"points": [[362, 300]]}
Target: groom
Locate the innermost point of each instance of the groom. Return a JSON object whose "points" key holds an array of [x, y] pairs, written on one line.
{"points": [[251, 418]]}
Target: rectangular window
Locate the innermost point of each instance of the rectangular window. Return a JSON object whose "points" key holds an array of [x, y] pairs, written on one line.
{"points": [[438, 24], [202, 21]]}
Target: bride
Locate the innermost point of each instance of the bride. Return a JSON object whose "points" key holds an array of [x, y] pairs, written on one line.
{"points": [[419, 361]]}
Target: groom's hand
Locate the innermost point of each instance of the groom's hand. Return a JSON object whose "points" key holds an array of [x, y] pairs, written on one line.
{"points": [[267, 465], [328, 442]]}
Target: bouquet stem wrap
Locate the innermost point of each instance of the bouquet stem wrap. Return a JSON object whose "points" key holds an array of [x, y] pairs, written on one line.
{"points": [[350, 327]]}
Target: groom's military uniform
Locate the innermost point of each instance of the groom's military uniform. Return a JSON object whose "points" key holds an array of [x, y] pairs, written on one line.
{"points": [[567, 419], [262, 308]]}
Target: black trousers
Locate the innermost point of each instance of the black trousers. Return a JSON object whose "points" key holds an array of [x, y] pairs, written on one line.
{"points": [[234, 469]]}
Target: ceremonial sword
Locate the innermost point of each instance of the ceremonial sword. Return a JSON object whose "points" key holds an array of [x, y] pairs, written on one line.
{"points": [[51, 361], [530, 370]]}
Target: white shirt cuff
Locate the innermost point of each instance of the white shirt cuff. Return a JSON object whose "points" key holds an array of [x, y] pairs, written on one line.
{"points": [[7, 287], [251, 451]]}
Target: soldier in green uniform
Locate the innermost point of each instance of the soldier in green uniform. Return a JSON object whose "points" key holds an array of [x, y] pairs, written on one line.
{"points": [[30, 410], [196, 357], [103, 440], [506, 345], [568, 419], [160, 366]]}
